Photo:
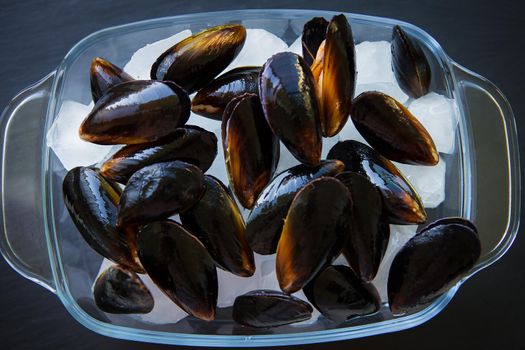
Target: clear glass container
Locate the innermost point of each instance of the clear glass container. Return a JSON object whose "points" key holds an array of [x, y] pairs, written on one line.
{"points": [[40, 242]]}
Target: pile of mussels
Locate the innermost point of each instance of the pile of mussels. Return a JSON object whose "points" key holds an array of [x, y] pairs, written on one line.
{"points": [[308, 215]]}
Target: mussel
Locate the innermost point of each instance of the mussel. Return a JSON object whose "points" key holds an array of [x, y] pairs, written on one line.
{"points": [[180, 266], [288, 97], [268, 308], [402, 204], [409, 64], [195, 61], [212, 99], [251, 150], [265, 222], [92, 204], [392, 130], [137, 111], [340, 295], [367, 241], [190, 144], [103, 75], [157, 191], [431, 263], [314, 33], [119, 291], [217, 222], [314, 232]]}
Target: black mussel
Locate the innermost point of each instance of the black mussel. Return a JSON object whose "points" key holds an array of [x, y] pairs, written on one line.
{"points": [[287, 91], [314, 32], [158, 191], [401, 202], [190, 144], [431, 263], [138, 111], [269, 308], [265, 222], [195, 61], [92, 204], [340, 295], [103, 75], [452, 220], [180, 266], [212, 99], [217, 222], [367, 241], [251, 150], [314, 232], [409, 64], [119, 291], [392, 130]]}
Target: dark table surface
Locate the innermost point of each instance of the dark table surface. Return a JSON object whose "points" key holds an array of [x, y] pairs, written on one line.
{"points": [[485, 36]]}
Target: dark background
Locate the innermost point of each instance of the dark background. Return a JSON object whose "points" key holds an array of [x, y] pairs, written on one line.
{"points": [[485, 36]]}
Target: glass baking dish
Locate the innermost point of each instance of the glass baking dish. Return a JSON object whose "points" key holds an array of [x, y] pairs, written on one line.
{"points": [[40, 242]]}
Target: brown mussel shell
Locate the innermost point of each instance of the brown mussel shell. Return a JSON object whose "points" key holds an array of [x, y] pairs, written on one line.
{"points": [[119, 291], [265, 222], [268, 308], [392, 130], [180, 266], [190, 144], [138, 111], [431, 263], [195, 61], [251, 150], [314, 32], [92, 203], [366, 243], [212, 99], [314, 232], [340, 295], [409, 64], [158, 191], [288, 97], [217, 222], [103, 75], [401, 203]]}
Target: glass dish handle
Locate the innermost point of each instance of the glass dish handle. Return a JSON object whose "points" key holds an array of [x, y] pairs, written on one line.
{"points": [[492, 200], [22, 242]]}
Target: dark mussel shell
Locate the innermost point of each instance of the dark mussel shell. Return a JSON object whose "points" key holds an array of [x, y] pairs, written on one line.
{"points": [[103, 75], [337, 81], [180, 266], [431, 263], [195, 61], [402, 204], [268, 308], [190, 144], [92, 204], [212, 99], [287, 91], [366, 243], [392, 130], [217, 222], [409, 64], [119, 291], [314, 32], [340, 295], [314, 232], [159, 190], [138, 111], [265, 222], [251, 150]]}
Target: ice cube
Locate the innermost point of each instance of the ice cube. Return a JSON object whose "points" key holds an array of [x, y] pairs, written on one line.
{"points": [[63, 138], [373, 61], [139, 65], [428, 181], [438, 114], [341, 260], [390, 88], [286, 159], [231, 286], [297, 46], [348, 132], [399, 235]]}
